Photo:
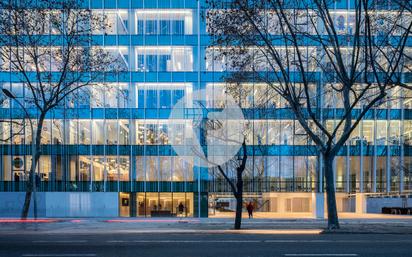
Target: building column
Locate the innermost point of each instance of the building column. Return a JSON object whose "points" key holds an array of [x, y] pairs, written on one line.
{"points": [[360, 203], [401, 142], [375, 152], [361, 159], [318, 205], [388, 151], [133, 204]]}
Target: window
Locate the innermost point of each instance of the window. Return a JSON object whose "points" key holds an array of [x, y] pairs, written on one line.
{"points": [[164, 22], [165, 98], [164, 27], [151, 98], [114, 22], [79, 132], [80, 168], [341, 178], [98, 168], [98, 132], [164, 62], [164, 59], [151, 62], [252, 59], [140, 27], [164, 168], [110, 168], [162, 95], [109, 95], [178, 27], [407, 99], [160, 132], [368, 131], [381, 132], [152, 168], [151, 27], [116, 132], [407, 132]]}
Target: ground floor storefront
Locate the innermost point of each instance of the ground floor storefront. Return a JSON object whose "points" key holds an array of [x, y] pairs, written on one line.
{"points": [[280, 202], [156, 204], [107, 204], [192, 204]]}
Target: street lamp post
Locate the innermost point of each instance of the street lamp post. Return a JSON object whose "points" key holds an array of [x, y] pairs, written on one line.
{"points": [[33, 137]]}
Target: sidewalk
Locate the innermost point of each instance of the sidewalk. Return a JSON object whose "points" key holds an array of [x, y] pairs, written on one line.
{"points": [[307, 215], [378, 225]]}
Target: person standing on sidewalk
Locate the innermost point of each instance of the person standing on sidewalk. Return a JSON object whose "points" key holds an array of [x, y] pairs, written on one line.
{"points": [[181, 208], [249, 209]]}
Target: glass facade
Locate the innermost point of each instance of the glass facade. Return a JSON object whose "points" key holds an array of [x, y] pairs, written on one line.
{"points": [[114, 135]]}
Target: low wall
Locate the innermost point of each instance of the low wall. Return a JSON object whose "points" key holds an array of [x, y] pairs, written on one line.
{"points": [[11, 204], [62, 204]]}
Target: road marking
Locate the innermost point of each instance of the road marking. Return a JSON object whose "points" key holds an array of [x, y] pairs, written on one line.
{"points": [[185, 241], [61, 241], [222, 241], [322, 254], [60, 255], [359, 241], [256, 241], [298, 241], [277, 231], [334, 241]]}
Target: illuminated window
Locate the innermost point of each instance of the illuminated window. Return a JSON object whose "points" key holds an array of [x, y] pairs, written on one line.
{"points": [[164, 58], [164, 22], [162, 95], [115, 22]]}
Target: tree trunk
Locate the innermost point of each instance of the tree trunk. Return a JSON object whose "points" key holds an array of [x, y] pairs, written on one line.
{"points": [[333, 221], [239, 207], [27, 198], [239, 199], [31, 182]]}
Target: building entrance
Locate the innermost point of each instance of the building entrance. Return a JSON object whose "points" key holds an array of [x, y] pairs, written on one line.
{"points": [[164, 205]]}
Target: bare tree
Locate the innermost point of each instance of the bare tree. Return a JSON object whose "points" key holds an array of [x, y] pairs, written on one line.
{"points": [[48, 46], [236, 172], [305, 52], [237, 164], [220, 133]]}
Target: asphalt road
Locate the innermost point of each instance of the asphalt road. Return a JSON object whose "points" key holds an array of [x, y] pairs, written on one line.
{"points": [[203, 244]]}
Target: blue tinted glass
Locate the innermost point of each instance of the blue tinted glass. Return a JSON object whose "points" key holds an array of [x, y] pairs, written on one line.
{"points": [[140, 63], [163, 61], [83, 100], [151, 62], [165, 98], [140, 27], [84, 104], [178, 27], [125, 59], [164, 27], [177, 95], [151, 27], [140, 99], [151, 99], [123, 98]]}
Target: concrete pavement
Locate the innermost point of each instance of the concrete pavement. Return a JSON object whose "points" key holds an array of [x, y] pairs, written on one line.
{"points": [[376, 225], [203, 245], [308, 215]]}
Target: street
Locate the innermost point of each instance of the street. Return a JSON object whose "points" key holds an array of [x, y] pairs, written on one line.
{"points": [[384, 236], [202, 244]]}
